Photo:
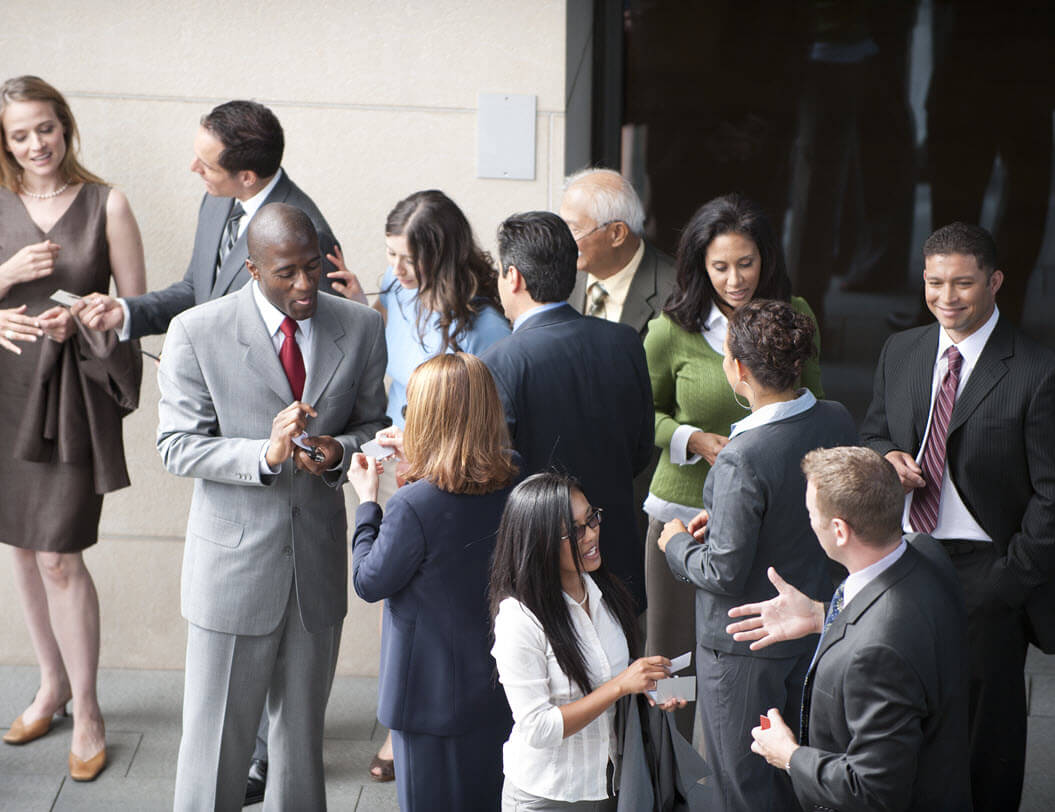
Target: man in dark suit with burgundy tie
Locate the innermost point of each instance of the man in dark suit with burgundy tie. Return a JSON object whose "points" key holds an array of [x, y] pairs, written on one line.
{"points": [[964, 411]]}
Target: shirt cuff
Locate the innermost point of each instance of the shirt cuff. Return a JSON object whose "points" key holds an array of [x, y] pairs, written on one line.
{"points": [[125, 330], [265, 469], [679, 446]]}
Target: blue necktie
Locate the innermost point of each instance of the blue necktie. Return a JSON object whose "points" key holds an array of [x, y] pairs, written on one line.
{"points": [[834, 609]]}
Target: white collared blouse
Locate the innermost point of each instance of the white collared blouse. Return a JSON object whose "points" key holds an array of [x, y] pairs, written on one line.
{"points": [[537, 758]]}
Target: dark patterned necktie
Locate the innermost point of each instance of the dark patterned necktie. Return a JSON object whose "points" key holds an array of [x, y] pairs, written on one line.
{"points": [[292, 360], [598, 300], [923, 513], [834, 609], [230, 234]]}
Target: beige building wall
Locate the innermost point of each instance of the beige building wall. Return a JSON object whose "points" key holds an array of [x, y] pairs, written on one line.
{"points": [[377, 98]]}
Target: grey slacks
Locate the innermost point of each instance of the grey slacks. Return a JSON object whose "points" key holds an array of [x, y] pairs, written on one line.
{"points": [[671, 617], [228, 679]]}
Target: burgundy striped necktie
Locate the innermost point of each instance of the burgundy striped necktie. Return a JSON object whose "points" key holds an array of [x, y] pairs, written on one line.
{"points": [[292, 360], [923, 514]]}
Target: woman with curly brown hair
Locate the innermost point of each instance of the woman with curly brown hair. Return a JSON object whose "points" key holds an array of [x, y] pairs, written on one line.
{"points": [[755, 518]]}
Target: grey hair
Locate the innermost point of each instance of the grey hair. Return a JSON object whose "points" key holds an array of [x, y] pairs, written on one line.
{"points": [[608, 204]]}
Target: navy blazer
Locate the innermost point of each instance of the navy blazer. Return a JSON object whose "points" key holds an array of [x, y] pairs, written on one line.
{"points": [[431, 558], [577, 398]]}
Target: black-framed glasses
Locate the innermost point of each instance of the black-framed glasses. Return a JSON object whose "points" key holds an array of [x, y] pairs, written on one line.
{"points": [[593, 521]]}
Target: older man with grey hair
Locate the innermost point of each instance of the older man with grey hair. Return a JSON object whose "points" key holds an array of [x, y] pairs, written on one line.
{"points": [[621, 278]]}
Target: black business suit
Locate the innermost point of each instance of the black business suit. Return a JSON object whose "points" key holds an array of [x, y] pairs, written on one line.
{"points": [[1000, 457], [577, 398], [151, 313], [887, 696]]}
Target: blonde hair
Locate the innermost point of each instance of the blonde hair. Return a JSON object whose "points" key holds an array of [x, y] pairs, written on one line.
{"points": [[860, 487], [29, 89], [455, 433]]}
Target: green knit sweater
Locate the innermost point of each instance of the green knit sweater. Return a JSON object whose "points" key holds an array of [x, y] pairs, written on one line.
{"points": [[689, 388]]}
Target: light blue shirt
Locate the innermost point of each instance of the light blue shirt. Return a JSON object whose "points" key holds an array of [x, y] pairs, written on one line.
{"points": [[407, 349], [535, 311]]}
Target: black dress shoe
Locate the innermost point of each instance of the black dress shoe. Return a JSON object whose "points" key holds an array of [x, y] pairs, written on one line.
{"points": [[254, 787]]}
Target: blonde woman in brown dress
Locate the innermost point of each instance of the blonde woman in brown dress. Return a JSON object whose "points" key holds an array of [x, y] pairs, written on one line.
{"points": [[64, 392]]}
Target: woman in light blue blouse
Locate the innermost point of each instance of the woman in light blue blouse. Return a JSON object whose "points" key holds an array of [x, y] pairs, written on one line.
{"points": [[439, 292], [438, 295]]}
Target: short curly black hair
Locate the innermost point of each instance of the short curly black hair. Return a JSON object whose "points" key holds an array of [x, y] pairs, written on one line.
{"points": [[773, 340]]}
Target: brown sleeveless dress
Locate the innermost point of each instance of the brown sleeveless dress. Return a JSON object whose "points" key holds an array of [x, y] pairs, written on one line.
{"points": [[62, 404]]}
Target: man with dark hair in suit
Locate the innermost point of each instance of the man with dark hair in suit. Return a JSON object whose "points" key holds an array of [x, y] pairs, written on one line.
{"points": [[575, 389], [884, 710], [963, 409], [238, 153]]}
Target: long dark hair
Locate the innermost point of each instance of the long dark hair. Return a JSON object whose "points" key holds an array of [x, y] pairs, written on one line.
{"points": [[456, 278], [526, 566], [690, 303]]}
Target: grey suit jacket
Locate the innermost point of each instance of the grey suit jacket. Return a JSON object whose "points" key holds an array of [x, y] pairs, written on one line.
{"points": [[886, 698], [151, 313], [756, 496], [249, 535], [649, 290]]}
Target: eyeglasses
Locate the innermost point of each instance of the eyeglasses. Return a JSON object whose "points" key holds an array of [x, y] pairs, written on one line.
{"points": [[593, 521], [582, 237]]}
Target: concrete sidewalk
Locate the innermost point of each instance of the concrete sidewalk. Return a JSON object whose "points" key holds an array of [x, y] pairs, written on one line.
{"points": [[143, 726], [142, 711]]}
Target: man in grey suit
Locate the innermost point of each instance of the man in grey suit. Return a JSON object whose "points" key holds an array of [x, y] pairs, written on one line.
{"points": [[620, 276], [884, 716], [264, 589], [238, 154]]}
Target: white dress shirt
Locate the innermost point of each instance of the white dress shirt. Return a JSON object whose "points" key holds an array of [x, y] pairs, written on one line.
{"points": [[250, 207], [954, 519], [617, 285], [273, 318], [537, 758], [857, 581]]}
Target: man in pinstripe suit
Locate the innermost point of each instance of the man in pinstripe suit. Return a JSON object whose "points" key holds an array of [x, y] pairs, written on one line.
{"points": [[964, 410]]}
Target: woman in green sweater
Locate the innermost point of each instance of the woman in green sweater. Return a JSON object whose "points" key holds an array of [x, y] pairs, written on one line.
{"points": [[727, 256]]}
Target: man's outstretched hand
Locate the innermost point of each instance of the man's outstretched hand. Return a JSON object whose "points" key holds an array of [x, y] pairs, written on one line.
{"points": [[788, 616]]}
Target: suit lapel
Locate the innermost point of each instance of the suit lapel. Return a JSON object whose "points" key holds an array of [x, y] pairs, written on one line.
{"points": [[240, 252], [327, 354], [258, 352], [211, 233], [578, 293], [987, 372], [921, 362], [637, 309]]}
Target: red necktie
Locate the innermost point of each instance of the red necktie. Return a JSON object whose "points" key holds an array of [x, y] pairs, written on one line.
{"points": [[923, 514], [292, 360]]}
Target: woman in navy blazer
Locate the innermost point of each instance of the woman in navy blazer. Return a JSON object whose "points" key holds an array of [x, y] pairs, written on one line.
{"points": [[430, 557]]}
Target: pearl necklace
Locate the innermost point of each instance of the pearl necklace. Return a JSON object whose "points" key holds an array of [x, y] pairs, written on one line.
{"points": [[49, 195]]}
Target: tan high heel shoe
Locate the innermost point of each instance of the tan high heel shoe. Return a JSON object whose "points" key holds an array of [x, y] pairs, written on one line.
{"points": [[21, 733], [87, 770]]}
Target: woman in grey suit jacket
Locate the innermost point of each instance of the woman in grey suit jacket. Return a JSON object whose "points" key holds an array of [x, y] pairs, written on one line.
{"points": [[430, 558], [754, 518]]}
